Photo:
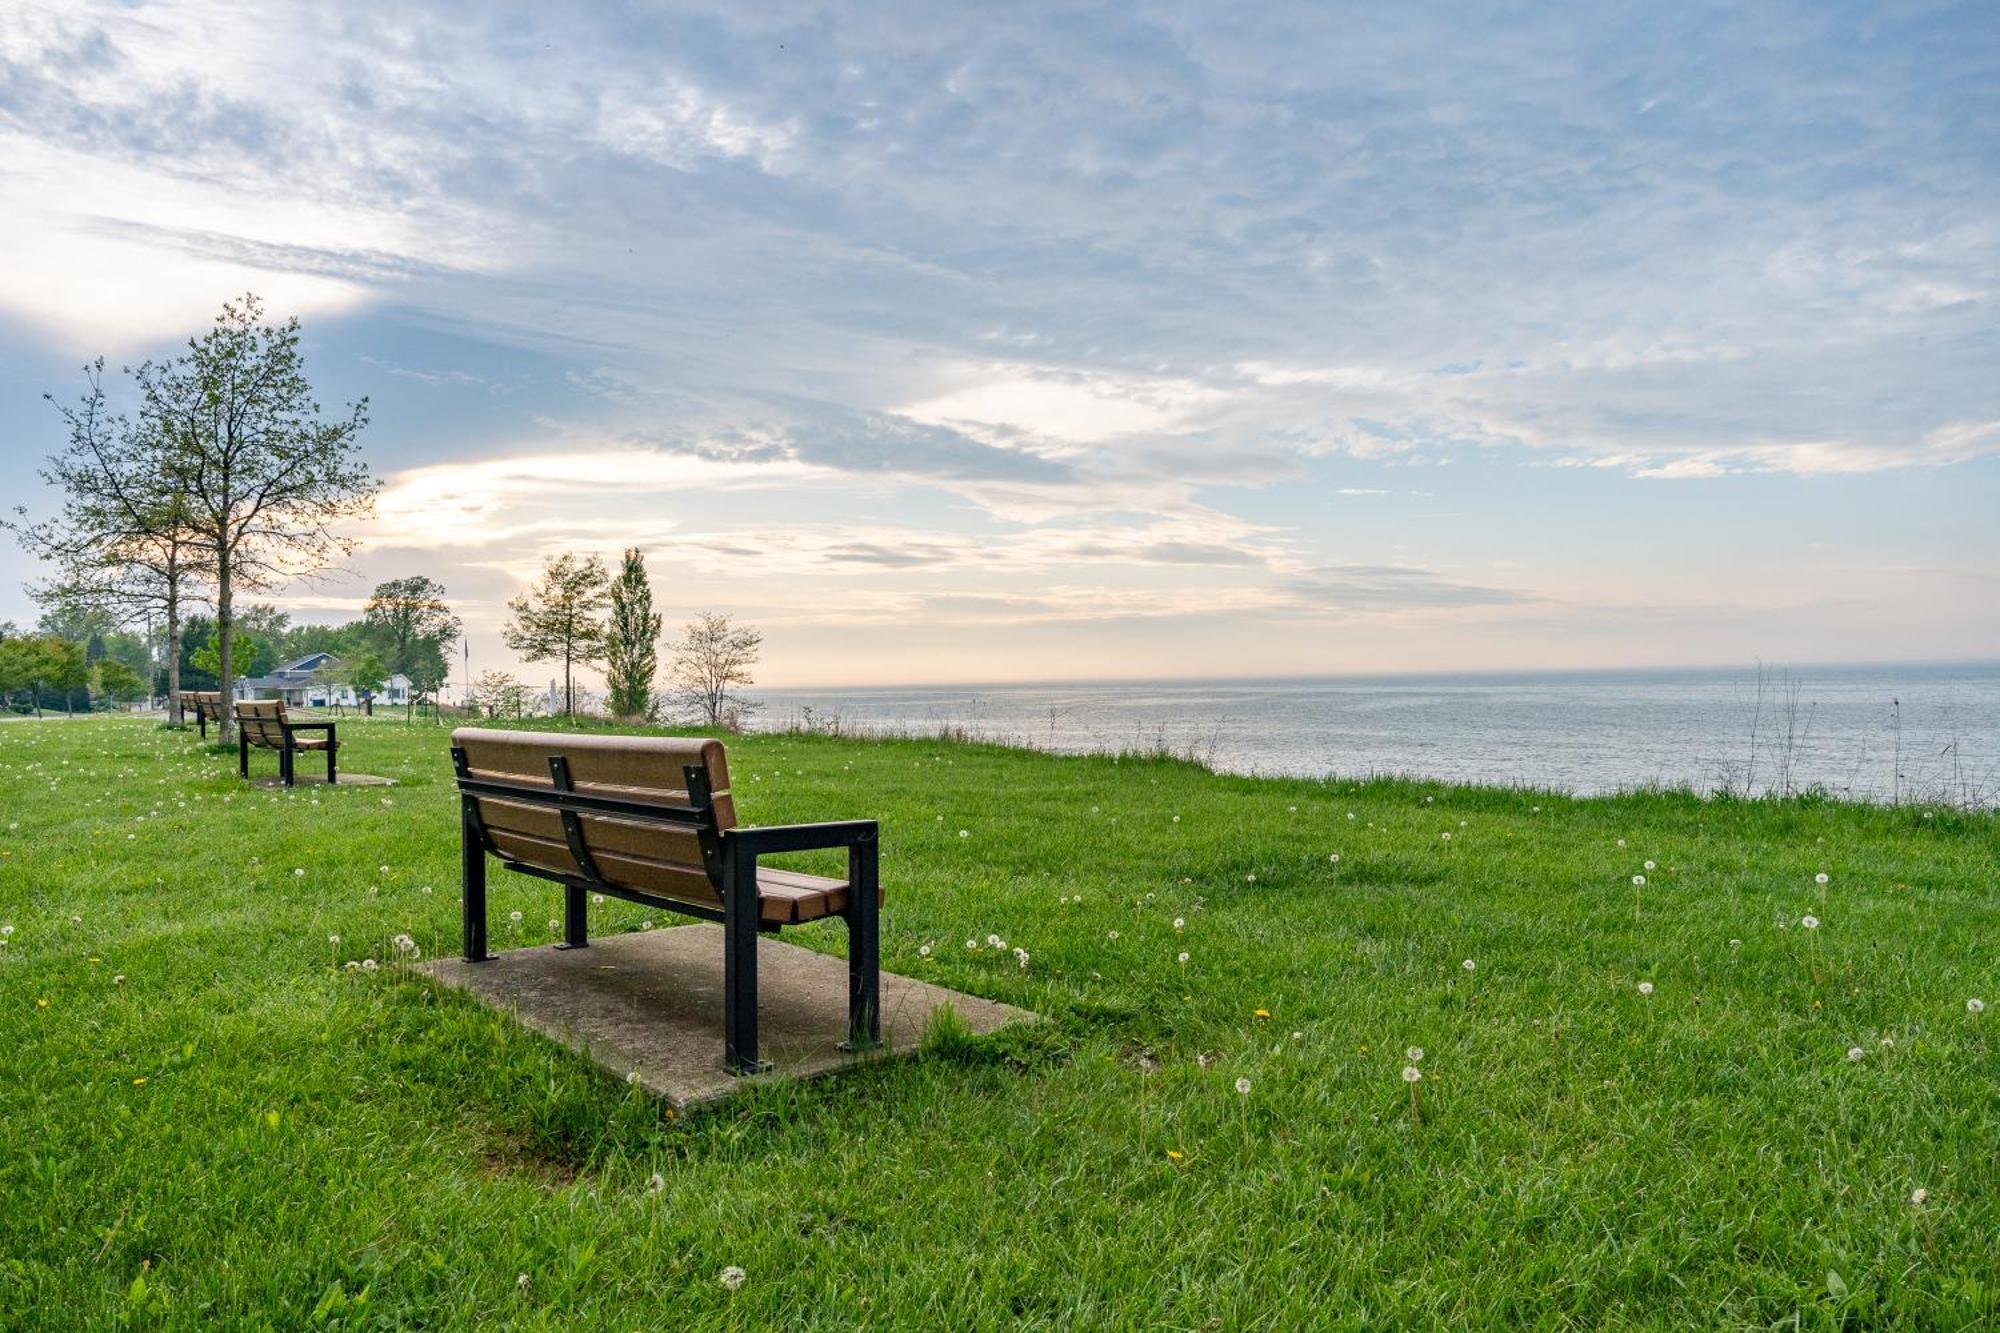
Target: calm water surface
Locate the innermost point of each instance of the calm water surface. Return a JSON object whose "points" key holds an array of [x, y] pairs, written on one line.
{"points": [[1881, 733]]}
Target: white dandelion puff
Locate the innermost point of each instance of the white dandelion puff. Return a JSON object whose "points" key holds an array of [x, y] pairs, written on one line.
{"points": [[1243, 1086], [1414, 1055], [732, 1278], [1809, 922], [1645, 988], [1412, 1074]]}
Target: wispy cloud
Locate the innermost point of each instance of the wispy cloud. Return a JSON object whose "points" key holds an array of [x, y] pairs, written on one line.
{"points": [[1017, 297]]}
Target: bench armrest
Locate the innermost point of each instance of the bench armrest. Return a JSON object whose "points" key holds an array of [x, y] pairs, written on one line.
{"points": [[326, 727], [801, 837]]}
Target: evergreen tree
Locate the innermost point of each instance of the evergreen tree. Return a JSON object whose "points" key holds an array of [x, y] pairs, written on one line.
{"points": [[631, 640]]}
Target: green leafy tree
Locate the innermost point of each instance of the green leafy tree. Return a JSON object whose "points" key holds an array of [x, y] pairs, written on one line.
{"points": [[197, 634], [208, 657], [117, 681], [712, 660], [364, 673], [631, 639], [267, 482], [558, 619], [415, 628], [24, 665], [67, 669]]}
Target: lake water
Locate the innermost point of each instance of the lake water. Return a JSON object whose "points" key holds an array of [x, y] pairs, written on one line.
{"points": [[1924, 732]]}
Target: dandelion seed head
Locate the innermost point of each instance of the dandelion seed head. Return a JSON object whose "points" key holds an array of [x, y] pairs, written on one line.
{"points": [[1412, 1074], [1468, 965], [1809, 922], [1638, 881], [1920, 1196], [1856, 1053], [1820, 878], [1650, 865], [1414, 1055], [1243, 1086], [1645, 988], [1183, 958], [1975, 1006], [732, 1278]]}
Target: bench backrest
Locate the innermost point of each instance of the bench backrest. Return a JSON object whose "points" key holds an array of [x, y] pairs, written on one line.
{"points": [[207, 702], [662, 859], [262, 721]]}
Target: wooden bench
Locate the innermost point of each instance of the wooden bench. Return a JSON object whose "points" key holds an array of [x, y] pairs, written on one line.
{"points": [[262, 722], [207, 705], [650, 819]]}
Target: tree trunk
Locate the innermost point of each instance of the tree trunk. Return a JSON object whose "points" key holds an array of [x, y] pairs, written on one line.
{"points": [[174, 713], [224, 631]]}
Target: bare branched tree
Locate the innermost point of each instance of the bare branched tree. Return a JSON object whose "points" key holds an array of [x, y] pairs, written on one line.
{"points": [[712, 660], [122, 544]]}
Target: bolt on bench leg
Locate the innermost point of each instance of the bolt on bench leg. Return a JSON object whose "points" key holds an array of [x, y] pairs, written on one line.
{"points": [[864, 948]]}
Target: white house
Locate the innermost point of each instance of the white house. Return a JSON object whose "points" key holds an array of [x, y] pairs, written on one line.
{"points": [[294, 683]]}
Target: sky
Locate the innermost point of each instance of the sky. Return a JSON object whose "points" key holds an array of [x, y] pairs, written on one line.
{"points": [[981, 343]]}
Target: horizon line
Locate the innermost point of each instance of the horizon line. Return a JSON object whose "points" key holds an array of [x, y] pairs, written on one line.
{"points": [[1404, 674]]}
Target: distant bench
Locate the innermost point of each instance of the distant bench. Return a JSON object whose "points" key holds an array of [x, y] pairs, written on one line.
{"points": [[650, 819], [264, 724], [207, 706]]}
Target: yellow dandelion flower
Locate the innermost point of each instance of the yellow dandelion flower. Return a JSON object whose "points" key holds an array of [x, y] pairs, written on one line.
{"points": [[1176, 1155], [138, 1082], [1262, 1013]]}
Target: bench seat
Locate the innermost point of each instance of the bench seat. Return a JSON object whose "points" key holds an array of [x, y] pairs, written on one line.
{"points": [[784, 897]]}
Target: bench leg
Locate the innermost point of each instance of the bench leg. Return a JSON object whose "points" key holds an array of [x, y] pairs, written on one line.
{"points": [[242, 755], [864, 947], [576, 922], [472, 882], [331, 750], [287, 765], [739, 966]]}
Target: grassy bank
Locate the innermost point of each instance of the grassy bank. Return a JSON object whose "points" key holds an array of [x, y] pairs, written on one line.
{"points": [[211, 1119]]}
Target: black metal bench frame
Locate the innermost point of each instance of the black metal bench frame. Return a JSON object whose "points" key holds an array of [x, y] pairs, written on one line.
{"points": [[729, 856], [287, 755]]}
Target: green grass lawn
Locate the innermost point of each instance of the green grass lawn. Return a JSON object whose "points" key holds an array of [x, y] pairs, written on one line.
{"points": [[210, 1119]]}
